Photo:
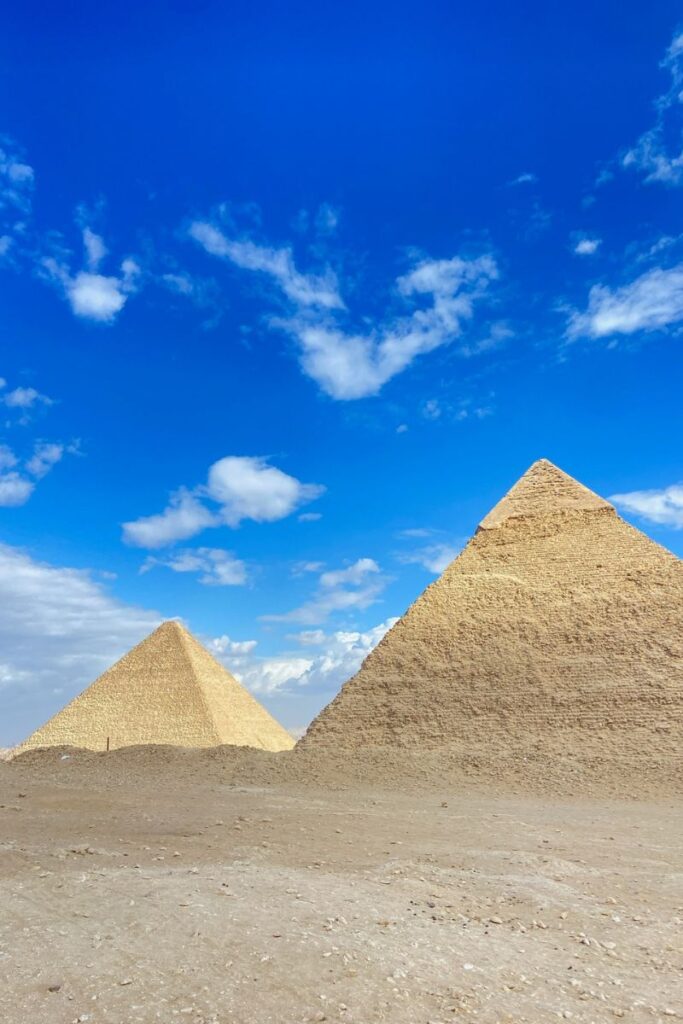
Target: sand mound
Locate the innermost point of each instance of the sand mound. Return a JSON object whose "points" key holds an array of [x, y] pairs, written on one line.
{"points": [[569, 773], [556, 637], [168, 689]]}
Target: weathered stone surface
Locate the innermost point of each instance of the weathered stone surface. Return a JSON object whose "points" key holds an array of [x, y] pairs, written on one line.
{"points": [[559, 627], [168, 689]]}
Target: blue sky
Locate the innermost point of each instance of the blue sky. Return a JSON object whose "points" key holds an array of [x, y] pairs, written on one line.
{"points": [[291, 295]]}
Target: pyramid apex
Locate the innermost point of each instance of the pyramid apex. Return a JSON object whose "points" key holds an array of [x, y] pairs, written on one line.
{"points": [[543, 489], [173, 624], [170, 627]]}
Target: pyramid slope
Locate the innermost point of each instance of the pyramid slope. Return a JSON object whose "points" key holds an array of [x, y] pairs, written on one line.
{"points": [[168, 689], [559, 626]]}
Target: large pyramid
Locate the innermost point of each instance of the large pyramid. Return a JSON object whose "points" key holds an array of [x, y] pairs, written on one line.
{"points": [[168, 689], [559, 627]]}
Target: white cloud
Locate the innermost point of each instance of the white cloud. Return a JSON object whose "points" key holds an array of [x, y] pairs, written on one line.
{"points": [[353, 574], [96, 297], [416, 532], [15, 486], [16, 182], [664, 506], [357, 586], [652, 302], [339, 657], [223, 645], [278, 264], [7, 457], [300, 568], [59, 629], [310, 517], [656, 154], [349, 365], [587, 246], [271, 675], [527, 178], [497, 335], [22, 401], [309, 637], [183, 284], [23, 398], [183, 517], [243, 487], [15, 489], [248, 488], [432, 557], [216, 567], [95, 249], [45, 456], [91, 295]]}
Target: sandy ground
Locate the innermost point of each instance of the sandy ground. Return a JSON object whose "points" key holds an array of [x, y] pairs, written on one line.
{"points": [[142, 896]]}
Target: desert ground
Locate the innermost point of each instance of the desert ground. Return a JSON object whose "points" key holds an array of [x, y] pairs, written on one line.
{"points": [[146, 886]]}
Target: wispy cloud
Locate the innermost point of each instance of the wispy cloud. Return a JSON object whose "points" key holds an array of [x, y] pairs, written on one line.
{"points": [[47, 454], [326, 219], [16, 194], [357, 586], [663, 506], [22, 402], [658, 153], [16, 180], [432, 557], [214, 566], [23, 398], [237, 488], [526, 178], [278, 264], [329, 660], [59, 629], [19, 473], [18, 481], [347, 364], [652, 302]]}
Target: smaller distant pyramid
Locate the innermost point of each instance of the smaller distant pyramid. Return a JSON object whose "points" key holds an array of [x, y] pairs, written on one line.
{"points": [[169, 690]]}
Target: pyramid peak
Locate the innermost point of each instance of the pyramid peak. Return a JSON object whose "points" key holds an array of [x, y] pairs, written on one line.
{"points": [[543, 489], [171, 627]]}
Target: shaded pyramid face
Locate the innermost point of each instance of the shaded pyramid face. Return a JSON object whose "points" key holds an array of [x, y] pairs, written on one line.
{"points": [[559, 626], [168, 689]]}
